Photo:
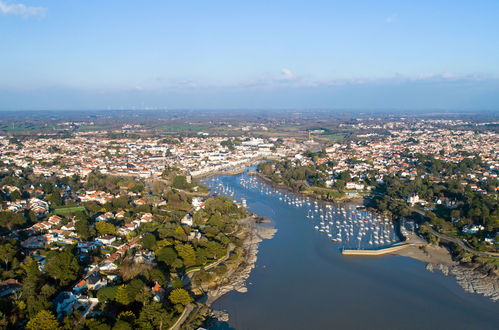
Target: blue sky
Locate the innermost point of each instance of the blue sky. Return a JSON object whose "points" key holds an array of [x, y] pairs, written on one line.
{"points": [[254, 54]]}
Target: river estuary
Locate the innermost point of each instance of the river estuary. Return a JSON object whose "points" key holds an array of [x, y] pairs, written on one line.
{"points": [[301, 280]]}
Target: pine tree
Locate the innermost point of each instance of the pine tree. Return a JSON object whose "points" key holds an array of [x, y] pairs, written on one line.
{"points": [[122, 296], [43, 320], [180, 296]]}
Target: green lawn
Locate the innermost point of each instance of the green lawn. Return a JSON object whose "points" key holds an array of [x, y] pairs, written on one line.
{"points": [[334, 137], [67, 210]]}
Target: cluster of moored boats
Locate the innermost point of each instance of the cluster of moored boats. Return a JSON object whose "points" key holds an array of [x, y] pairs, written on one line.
{"points": [[347, 225]]}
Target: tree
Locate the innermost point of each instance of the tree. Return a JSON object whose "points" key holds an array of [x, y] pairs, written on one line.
{"points": [[455, 214], [32, 216], [43, 320], [122, 296], [121, 203], [15, 195], [55, 198], [82, 226], [156, 275], [228, 144], [149, 241], [177, 283], [180, 182], [180, 296], [10, 220], [187, 253], [138, 187], [105, 228], [31, 285], [107, 293], [62, 266], [122, 325], [167, 255], [215, 250], [154, 316], [134, 287], [7, 253], [127, 316], [96, 325], [144, 296], [201, 257], [92, 206]]}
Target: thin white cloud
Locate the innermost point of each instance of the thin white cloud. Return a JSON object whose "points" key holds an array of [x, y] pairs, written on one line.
{"points": [[444, 76], [278, 80], [287, 74], [19, 9]]}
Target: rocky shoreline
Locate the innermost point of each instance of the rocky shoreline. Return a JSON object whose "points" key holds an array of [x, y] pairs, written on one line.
{"points": [[471, 279], [237, 278]]}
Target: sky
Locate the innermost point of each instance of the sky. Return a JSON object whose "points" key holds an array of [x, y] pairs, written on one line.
{"points": [[94, 54]]}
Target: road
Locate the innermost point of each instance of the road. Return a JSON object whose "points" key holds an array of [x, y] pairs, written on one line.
{"points": [[454, 240], [187, 311], [462, 244]]}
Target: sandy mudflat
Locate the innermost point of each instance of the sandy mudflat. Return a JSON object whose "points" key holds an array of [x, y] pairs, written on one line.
{"points": [[429, 254]]}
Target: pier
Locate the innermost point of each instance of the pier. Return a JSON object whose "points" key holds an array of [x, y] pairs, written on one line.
{"points": [[379, 252]]}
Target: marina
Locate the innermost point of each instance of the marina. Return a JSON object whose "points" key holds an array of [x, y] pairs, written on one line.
{"points": [[346, 225], [302, 280]]}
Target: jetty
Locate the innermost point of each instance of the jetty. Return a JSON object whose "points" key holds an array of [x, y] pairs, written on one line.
{"points": [[379, 252]]}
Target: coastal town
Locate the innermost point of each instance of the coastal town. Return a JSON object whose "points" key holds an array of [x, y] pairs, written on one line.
{"points": [[95, 226]]}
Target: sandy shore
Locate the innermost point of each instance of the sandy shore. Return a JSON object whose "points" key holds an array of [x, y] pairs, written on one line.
{"points": [[471, 278], [429, 254]]}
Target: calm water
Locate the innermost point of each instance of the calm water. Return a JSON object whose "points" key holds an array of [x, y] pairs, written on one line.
{"points": [[301, 280]]}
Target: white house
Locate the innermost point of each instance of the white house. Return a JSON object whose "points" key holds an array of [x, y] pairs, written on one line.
{"points": [[107, 266], [472, 229], [107, 240], [413, 199], [197, 203], [187, 220]]}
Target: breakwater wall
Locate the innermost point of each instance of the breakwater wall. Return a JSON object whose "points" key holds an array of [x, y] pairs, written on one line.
{"points": [[378, 252]]}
